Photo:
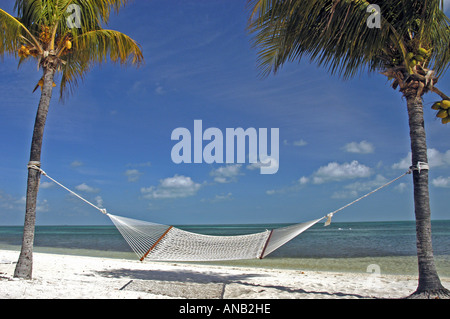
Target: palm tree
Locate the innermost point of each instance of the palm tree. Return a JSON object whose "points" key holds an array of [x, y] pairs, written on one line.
{"points": [[410, 46], [66, 37]]}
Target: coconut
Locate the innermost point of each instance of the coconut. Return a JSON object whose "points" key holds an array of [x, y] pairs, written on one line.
{"points": [[436, 106], [445, 104], [442, 114], [423, 52]]}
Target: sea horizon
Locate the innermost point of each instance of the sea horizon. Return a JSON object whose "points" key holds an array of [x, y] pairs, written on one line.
{"points": [[227, 224]]}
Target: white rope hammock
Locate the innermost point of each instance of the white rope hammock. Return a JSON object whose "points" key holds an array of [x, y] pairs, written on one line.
{"points": [[151, 241]]}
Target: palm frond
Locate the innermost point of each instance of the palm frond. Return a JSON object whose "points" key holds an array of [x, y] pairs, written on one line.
{"points": [[96, 47], [99, 45], [47, 12], [100, 9], [335, 34], [329, 32], [74, 71], [13, 33]]}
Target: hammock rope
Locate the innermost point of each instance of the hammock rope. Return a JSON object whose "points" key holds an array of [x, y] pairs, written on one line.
{"points": [[152, 241]]}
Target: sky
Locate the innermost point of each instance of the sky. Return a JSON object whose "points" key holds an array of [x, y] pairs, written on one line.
{"points": [[111, 140]]}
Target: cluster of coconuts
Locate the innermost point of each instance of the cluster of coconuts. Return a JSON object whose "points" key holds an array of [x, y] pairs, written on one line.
{"points": [[44, 37], [443, 108], [412, 59], [25, 51]]}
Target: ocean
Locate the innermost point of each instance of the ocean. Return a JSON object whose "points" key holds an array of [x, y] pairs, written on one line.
{"points": [[389, 247]]}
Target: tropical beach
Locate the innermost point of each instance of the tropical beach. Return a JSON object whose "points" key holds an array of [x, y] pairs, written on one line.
{"points": [[81, 277], [369, 260], [237, 129]]}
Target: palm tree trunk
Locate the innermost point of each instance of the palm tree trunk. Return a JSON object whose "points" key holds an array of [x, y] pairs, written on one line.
{"points": [[429, 282], [25, 263]]}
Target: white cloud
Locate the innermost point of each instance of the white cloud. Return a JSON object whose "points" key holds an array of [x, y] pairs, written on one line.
{"points": [[172, 187], [6, 201], [254, 166], [144, 164], [435, 159], [441, 182], [404, 163], [42, 206], [283, 190], [159, 90], [344, 194], [226, 174], [99, 201], [334, 172], [219, 198], [362, 147], [133, 175], [46, 185], [358, 188], [368, 185], [401, 187], [76, 164], [298, 143], [9, 202], [303, 180], [86, 188], [138, 87]]}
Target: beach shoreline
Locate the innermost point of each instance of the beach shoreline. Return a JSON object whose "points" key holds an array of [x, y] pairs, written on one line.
{"points": [[57, 276]]}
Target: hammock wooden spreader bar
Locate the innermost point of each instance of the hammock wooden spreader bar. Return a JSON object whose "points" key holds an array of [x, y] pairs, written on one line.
{"points": [[265, 245], [157, 242]]}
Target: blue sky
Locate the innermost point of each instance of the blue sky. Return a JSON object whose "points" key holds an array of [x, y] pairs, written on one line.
{"points": [[111, 141]]}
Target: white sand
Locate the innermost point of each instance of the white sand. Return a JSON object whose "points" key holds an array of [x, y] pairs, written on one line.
{"points": [[75, 277]]}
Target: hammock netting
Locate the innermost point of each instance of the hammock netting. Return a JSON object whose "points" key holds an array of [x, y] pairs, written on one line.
{"points": [[151, 241]]}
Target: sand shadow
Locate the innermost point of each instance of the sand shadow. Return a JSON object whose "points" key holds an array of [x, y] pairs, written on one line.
{"points": [[176, 283], [311, 292], [175, 275], [195, 284]]}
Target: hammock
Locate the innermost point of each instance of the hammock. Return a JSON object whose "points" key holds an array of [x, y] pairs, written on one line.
{"points": [[160, 242], [152, 241]]}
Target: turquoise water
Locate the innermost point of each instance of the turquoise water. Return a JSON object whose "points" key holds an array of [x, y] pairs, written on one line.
{"points": [[349, 246]]}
